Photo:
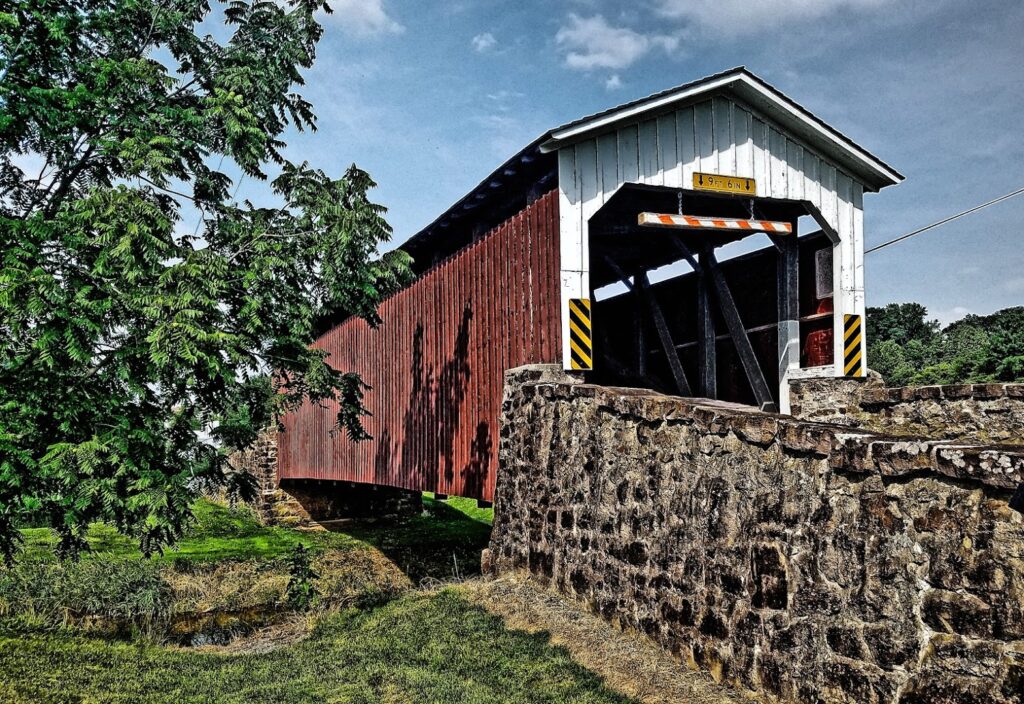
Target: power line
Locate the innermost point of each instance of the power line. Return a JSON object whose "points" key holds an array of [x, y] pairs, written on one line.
{"points": [[943, 222]]}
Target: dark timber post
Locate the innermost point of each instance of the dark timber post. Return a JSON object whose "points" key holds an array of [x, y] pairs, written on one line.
{"points": [[640, 335], [706, 359]]}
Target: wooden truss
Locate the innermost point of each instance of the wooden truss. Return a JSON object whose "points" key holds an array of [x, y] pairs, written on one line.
{"points": [[712, 284]]}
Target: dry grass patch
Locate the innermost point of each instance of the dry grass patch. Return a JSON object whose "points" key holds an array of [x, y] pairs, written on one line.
{"points": [[226, 586], [358, 578], [629, 663]]}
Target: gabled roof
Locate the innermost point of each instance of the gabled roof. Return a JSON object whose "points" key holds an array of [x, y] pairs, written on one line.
{"points": [[532, 165], [739, 83]]}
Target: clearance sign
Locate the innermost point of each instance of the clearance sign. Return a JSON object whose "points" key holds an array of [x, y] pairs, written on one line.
{"points": [[724, 184]]}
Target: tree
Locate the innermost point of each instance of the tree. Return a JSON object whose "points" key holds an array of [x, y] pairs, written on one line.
{"points": [[901, 323], [1005, 330], [137, 349], [888, 359], [906, 348]]}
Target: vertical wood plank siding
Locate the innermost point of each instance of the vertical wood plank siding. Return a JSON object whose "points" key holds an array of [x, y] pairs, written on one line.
{"points": [[719, 136], [435, 366]]}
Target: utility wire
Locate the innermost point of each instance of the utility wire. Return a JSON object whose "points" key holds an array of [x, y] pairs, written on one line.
{"points": [[943, 222]]}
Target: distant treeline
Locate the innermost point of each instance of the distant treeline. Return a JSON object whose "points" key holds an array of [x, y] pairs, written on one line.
{"points": [[909, 349]]}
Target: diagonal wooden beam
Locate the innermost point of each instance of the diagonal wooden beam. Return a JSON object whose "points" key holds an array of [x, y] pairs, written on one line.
{"points": [[628, 376], [671, 354], [685, 251], [623, 278], [738, 334], [707, 367], [642, 285]]}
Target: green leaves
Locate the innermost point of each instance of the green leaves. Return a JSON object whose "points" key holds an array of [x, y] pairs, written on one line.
{"points": [[135, 355], [908, 349]]}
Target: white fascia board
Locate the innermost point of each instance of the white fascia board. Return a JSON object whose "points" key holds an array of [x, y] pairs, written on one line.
{"points": [[793, 118], [810, 125], [571, 133]]}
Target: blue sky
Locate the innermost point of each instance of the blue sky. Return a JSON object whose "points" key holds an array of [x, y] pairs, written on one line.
{"points": [[429, 98]]}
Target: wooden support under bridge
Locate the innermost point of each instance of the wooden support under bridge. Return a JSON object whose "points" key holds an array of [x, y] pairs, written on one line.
{"points": [[713, 289]]}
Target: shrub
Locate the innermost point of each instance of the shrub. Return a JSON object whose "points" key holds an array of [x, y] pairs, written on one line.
{"points": [[104, 593], [301, 590]]}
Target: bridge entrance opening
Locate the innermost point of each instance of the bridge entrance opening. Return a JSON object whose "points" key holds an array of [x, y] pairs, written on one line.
{"points": [[708, 309]]}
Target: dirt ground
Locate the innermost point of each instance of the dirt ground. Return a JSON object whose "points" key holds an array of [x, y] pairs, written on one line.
{"points": [[630, 663]]}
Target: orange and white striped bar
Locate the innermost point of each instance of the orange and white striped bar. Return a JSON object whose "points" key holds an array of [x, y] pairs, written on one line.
{"points": [[706, 223]]}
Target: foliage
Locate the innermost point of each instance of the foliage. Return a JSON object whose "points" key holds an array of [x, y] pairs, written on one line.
{"points": [[135, 349], [424, 647], [908, 349], [901, 323], [301, 590]]}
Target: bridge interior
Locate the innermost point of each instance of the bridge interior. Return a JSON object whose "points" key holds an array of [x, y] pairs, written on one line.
{"points": [[712, 328]]}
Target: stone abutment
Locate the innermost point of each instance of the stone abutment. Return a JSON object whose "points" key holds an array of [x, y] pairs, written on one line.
{"points": [[806, 561]]}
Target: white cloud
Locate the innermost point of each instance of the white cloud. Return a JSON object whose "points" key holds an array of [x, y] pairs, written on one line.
{"points": [[590, 43], [498, 123], [746, 17], [483, 42], [505, 133], [504, 95], [504, 100], [950, 315], [613, 82], [364, 17]]}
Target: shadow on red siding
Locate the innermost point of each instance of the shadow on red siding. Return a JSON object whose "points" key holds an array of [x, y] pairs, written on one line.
{"points": [[435, 366]]}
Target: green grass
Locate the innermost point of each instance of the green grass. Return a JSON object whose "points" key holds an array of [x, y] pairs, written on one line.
{"points": [[219, 533], [421, 648], [229, 558], [444, 541]]}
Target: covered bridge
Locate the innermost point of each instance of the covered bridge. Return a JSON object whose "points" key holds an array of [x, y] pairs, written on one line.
{"points": [[507, 276]]}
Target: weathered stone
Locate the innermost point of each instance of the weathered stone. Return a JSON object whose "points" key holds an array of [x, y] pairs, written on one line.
{"points": [[984, 391], [805, 437], [982, 413], [1001, 468], [952, 612], [807, 561], [895, 457], [952, 391], [770, 578], [924, 393], [880, 397]]}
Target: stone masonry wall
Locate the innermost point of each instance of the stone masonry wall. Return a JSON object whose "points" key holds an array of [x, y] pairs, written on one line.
{"points": [[805, 561], [301, 502], [971, 412], [260, 460]]}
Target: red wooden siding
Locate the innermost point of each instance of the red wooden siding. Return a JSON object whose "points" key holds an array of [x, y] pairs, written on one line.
{"points": [[435, 366]]}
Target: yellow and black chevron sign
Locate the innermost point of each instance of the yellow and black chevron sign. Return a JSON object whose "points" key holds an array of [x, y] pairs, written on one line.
{"points": [[853, 346], [581, 349]]}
